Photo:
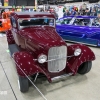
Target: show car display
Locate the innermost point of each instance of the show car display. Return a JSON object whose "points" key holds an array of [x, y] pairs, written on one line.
{"points": [[5, 21], [84, 29], [38, 50]]}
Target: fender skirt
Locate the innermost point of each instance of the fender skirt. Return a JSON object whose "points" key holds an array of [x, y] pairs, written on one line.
{"points": [[73, 63], [26, 62]]}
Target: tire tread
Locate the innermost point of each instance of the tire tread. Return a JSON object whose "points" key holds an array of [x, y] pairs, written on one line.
{"points": [[85, 67], [24, 84]]}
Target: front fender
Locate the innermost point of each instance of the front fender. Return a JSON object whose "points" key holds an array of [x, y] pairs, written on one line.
{"points": [[86, 55], [26, 62]]}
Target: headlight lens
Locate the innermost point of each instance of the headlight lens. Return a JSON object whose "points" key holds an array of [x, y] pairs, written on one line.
{"points": [[42, 58], [77, 52]]}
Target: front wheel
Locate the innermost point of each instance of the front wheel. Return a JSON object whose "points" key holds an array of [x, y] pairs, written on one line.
{"points": [[85, 67], [23, 84]]}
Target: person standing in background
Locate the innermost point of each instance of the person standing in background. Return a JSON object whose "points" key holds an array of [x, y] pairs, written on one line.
{"points": [[66, 13], [64, 9], [94, 13], [98, 11], [73, 12], [55, 14], [87, 12]]}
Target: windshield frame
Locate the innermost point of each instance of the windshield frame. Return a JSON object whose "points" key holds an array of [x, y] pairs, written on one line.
{"points": [[35, 25]]}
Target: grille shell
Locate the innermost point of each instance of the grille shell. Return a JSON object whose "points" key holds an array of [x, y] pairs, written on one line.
{"points": [[59, 53]]}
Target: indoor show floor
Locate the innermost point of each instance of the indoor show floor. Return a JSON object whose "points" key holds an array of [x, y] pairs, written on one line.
{"points": [[79, 87]]}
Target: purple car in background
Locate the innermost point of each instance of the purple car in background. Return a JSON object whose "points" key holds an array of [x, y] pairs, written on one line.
{"points": [[80, 29]]}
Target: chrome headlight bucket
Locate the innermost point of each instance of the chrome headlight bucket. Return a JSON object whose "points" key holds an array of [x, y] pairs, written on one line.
{"points": [[77, 52], [42, 58]]}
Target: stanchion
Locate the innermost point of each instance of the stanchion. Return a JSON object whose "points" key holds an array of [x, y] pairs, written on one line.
{"points": [[27, 77]]}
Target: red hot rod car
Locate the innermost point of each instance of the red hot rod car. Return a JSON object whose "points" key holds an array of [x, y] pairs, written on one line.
{"points": [[38, 50], [5, 21]]}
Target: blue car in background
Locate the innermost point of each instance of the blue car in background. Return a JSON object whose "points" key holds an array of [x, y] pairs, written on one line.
{"points": [[80, 29]]}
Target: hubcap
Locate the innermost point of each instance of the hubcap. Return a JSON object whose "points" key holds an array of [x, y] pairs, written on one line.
{"points": [[18, 84]]}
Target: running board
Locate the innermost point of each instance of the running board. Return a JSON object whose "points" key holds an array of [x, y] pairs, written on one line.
{"points": [[13, 48], [58, 78]]}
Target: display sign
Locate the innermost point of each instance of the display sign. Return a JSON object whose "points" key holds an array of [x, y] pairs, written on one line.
{"points": [[5, 3]]}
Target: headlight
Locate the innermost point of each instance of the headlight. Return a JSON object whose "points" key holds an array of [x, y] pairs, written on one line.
{"points": [[42, 58], [77, 52]]}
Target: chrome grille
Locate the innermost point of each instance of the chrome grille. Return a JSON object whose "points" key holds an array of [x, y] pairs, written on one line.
{"points": [[57, 53]]}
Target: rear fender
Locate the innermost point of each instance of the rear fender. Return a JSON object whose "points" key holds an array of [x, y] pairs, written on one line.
{"points": [[86, 55], [10, 38], [26, 62]]}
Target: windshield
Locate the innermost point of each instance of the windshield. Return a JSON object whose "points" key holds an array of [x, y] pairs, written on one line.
{"points": [[82, 21], [63, 21], [26, 22]]}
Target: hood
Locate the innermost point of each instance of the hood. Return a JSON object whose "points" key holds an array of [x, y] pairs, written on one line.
{"points": [[43, 35]]}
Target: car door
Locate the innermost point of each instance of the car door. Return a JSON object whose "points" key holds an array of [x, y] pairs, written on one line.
{"points": [[19, 40], [93, 33], [73, 29], [63, 27]]}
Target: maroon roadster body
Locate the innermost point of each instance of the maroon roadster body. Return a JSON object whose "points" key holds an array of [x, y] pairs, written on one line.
{"points": [[37, 49]]}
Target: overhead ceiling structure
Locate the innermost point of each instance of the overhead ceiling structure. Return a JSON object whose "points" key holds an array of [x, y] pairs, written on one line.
{"points": [[41, 2], [20, 2], [63, 1]]}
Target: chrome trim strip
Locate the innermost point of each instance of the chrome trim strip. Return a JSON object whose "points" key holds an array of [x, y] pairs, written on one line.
{"points": [[79, 42], [58, 78], [59, 58], [56, 59]]}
